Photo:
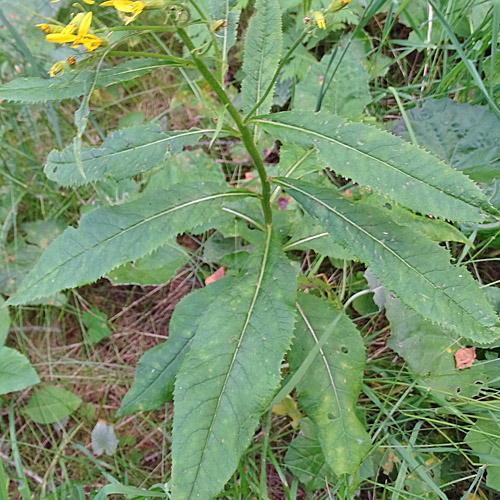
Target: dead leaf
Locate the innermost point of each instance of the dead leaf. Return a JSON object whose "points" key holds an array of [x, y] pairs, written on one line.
{"points": [[219, 274], [465, 357]]}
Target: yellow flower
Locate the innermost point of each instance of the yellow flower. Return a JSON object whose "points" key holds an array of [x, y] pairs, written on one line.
{"points": [[67, 34], [320, 20], [56, 68], [126, 6]]}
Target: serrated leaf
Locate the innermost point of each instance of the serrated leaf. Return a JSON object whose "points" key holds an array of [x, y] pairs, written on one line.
{"points": [[347, 93], [123, 154], [155, 373], [429, 350], [263, 44], [329, 390], [418, 271], [71, 85], [466, 136], [51, 404], [297, 162], [376, 159], [110, 236], [305, 459], [16, 372], [155, 269], [231, 373]]}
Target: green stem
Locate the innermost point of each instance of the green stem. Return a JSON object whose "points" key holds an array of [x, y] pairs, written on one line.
{"points": [[246, 135], [276, 74], [127, 53], [166, 29]]}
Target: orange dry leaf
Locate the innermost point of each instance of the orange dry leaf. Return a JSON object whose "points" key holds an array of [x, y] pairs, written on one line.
{"points": [[465, 357], [219, 274]]}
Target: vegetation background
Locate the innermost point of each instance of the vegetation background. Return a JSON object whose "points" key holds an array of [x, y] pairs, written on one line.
{"points": [[427, 71]]}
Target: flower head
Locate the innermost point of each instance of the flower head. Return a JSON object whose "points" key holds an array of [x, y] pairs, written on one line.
{"points": [[81, 22], [320, 19], [88, 2], [127, 6]]}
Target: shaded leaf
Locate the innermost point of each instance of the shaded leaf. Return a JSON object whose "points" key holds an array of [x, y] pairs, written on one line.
{"points": [[97, 325], [103, 439], [4, 322], [231, 373]]}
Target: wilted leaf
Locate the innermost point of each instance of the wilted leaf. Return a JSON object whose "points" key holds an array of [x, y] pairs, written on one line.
{"points": [[103, 439]]}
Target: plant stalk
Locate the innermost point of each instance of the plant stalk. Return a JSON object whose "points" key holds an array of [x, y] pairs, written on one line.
{"points": [[246, 135]]}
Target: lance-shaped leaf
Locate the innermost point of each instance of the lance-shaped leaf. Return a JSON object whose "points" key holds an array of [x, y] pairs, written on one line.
{"points": [[111, 236], [417, 270], [225, 34], [329, 390], [71, 85], [386, 163], [123, 154], [156, 371], [231, 373], [262, 55]]}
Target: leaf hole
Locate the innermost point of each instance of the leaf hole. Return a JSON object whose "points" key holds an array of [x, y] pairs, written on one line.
{"points": [[458, 390], [331, 416], [478, 382], [388, 206], [344, 349]]}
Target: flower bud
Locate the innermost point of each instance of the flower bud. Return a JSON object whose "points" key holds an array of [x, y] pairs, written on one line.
{"points": [[320, 19], [337, 5], [57, 68]]}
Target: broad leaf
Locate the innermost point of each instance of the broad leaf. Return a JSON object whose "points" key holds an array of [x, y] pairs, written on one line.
{"points": [[72, 85], [123, 154], [156, 371], [51, 404], [417, 270], [329, 390], [231, 373], [111, 236], [429, 351], [16, 372], [386, 163], [262, 55], [484, 440], [346, 94], [305, 459], [467, 137]]}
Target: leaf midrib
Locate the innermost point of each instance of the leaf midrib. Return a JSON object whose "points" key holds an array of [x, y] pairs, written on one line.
{"points": [[133, 226], [381, 243], [134, 148], [236, 351], [367, 155]]}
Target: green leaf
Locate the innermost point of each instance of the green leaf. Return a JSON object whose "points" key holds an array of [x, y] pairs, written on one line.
{"points": [[296, 162], [123, 154], [329, 390], [348, 92], [305, 459], [263, 44], [72, 85], [429, 352], [156, 371], [386, 163], [97, 326], [463, 135], [4, 321], [154, 269], [484, 440], [418, 270], [231, 373], [51, 404], [16, 372], [110, 236]]}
